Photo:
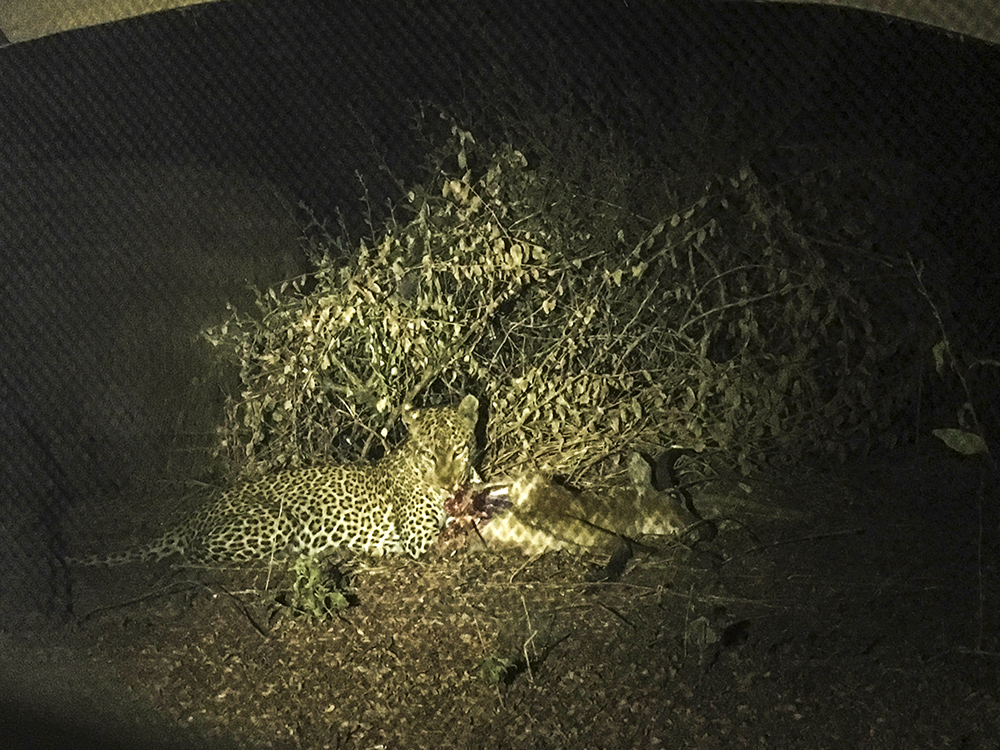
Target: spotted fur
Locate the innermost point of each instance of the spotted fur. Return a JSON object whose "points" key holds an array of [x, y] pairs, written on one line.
{"points": [[392, 506]]}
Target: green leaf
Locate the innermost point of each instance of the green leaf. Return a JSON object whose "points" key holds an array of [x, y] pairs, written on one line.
{"points": [[960, 441], [939, 351]]}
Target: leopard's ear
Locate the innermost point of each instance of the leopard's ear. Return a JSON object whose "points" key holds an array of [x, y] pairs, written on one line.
{"points": [[407, 414], [639, 471], [469, 408]]}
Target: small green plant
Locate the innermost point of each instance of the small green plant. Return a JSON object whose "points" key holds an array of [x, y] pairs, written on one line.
{"points": [[314, 593], [496, 669]]}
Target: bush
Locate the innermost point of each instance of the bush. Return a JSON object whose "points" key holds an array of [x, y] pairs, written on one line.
{"points": [[592, 321]]}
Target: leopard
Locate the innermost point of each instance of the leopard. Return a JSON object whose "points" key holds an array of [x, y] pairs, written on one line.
{"points": [[393, 506]]}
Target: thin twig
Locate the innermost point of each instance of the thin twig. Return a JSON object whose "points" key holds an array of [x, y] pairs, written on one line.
{"points": [[796, 540], [531, 637], [525, 565], [619, 615]]}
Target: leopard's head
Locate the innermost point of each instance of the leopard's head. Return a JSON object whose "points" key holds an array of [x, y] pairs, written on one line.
{"points": [[444, 440]]}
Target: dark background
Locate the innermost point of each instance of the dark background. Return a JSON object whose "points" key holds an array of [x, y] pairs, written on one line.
{"points": [[307, 95]]}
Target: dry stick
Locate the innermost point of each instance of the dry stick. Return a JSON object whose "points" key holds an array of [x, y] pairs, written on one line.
{"points": [[139, 599], [244, 611], [687, 615], [636, 339], [531, 637], [527, 562], [796, 540], [717, 278], [740, 303], [618, 614], [274, 540]]}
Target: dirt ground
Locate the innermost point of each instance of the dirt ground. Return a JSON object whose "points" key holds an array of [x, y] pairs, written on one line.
{"points": [[849, 610]]}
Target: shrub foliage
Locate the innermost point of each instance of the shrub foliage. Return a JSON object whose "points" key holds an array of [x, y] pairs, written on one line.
{"points": [[591, 326]]}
